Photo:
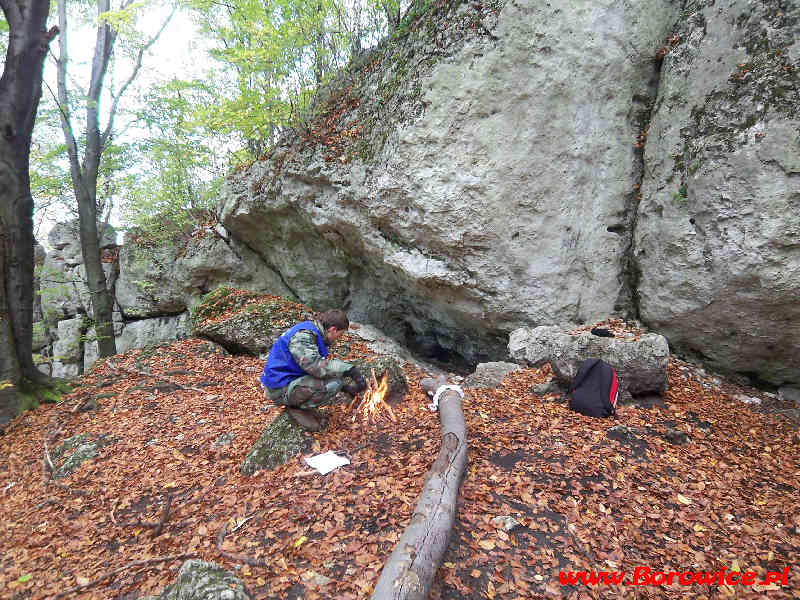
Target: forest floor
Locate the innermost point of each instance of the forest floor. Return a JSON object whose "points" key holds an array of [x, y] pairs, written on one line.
{"points": [[587, 494]]}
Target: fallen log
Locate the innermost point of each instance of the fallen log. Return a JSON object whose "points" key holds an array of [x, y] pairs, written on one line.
{"points": [[409, 571]]}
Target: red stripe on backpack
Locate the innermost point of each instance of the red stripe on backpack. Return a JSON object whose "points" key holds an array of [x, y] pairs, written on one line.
{"points": [[613, 393]]}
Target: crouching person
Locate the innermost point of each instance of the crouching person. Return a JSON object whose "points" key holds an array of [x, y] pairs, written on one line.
{"points": [[298, 373]]}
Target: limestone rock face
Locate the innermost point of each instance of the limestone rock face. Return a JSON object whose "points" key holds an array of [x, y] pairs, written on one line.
{"points": [[62, 277], [137, 334], [170, 279], [498, 194], [718, 235], [68, 348]]}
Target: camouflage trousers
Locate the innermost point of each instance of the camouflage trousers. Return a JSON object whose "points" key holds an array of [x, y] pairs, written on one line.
{"points": [[305, 392]]}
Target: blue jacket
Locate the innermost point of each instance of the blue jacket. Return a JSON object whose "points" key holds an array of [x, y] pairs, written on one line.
{"points": [[281, 367]]}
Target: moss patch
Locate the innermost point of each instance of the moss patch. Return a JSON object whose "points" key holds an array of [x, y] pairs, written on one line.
{"points": [[31, 394], [225, 302]]}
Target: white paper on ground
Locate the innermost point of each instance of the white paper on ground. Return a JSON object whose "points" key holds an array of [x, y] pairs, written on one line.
{"points": [[327, 462]]}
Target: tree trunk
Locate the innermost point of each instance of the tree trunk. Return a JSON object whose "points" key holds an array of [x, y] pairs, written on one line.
{"points": [[409, 571], [9, 364], [102, 300], [20, 91], [84, 176]]}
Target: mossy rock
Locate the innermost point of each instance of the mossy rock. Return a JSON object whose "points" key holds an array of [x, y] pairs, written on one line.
{"points": [[245, 322], [31, 395], [398, 385], [281, 440], [199, 580], [82, 453], [67, 445]]}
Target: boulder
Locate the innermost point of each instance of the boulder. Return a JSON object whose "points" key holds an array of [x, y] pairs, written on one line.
{"points": [[82, 450], [717, 232], [147, 285], [136, 334], [490, 375], [641, 364], [790, 395], [281, 440], [199, 580], [245, 322]]}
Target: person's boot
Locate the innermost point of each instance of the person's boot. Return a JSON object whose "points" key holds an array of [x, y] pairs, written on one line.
{"points": [[305, 418]]}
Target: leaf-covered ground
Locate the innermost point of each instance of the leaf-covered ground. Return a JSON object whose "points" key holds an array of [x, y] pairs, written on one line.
{"points": [[585, 497]]}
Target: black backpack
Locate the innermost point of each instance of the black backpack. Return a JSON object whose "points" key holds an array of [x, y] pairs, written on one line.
{"points": [[594, 389]]}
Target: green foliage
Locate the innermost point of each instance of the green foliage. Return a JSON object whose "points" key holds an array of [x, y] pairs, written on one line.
{"points": [[273, 55], [32, 395], [681, 195], [178, 183], [3, 34]]}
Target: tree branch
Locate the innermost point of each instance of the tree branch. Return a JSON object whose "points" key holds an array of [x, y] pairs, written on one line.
{"points": [[137, 66]]}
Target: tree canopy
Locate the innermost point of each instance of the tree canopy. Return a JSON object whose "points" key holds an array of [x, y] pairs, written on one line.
{"points": [[174, 137]]}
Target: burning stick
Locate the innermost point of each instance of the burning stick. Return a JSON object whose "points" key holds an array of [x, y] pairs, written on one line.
{"points": [[373, 399]]}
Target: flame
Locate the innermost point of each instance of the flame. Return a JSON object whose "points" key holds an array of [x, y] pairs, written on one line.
{"points": [[374, 398]]}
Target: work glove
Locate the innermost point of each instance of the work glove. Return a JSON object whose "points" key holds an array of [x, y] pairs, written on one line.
{"points": [[360, 384]]}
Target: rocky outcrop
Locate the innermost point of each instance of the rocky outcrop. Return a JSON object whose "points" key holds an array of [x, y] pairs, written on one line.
{"points": [[497, 165], [523, 163], [154, 286], [62, 276], [498, 191], [718, 237], [167, 279], [490, 375], [74, 451]]}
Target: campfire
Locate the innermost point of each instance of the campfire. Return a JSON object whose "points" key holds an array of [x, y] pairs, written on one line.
{"points": [[372, 403]]}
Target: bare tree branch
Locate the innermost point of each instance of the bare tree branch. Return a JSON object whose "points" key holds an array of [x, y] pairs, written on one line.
{"points": [[137, 66]]}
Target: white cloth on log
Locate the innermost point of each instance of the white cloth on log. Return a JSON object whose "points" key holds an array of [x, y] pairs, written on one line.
{"points": [[434, 405]]}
